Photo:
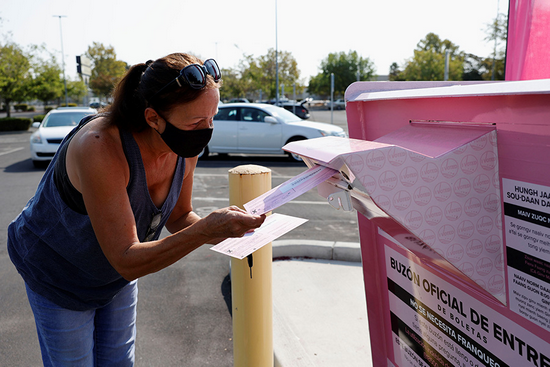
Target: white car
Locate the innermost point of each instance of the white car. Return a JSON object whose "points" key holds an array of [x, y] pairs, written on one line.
{"points": [[52, 130], [258, 128], [339, 104]]}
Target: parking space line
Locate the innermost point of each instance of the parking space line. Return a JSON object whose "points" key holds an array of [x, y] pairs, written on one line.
{"points": [[12, 151]]}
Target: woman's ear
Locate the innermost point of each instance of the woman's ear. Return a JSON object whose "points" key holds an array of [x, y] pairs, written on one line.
{"points": [[152, 118]]}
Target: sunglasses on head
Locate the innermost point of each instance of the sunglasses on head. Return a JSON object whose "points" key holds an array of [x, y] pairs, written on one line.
{"points": [[195, 75]]}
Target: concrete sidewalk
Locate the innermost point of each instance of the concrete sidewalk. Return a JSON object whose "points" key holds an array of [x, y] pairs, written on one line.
{"points": [[319, 307]]}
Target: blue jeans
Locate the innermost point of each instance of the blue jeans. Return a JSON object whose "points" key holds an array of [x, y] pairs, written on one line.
{"points": [[100, 337]]}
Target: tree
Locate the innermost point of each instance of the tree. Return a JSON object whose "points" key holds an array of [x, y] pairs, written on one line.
{"points": [[497, 33], [47, 82], [232, 86], [15, 76], [491, 67], [473, 67], [76, 89], [428, 62], [261, 72], [395, 73], [106, 69], [345, 68], [258, 75]]}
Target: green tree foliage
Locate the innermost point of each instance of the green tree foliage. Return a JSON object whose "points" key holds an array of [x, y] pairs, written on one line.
{"points": [[233, 84], [47, 82], [76, 89], [15, 74], [262, 72], [473, 67], [259, 74], [428, 62], [395, 73], [481, 68], [345, 68], [106, 69], [496, 33]]}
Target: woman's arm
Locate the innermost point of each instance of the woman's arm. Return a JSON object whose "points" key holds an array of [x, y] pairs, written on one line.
{"points": [[101, 174], [183, 215]]}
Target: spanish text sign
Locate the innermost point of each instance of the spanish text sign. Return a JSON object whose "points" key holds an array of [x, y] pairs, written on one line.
{"points": [[527, 231], [437, 324]]}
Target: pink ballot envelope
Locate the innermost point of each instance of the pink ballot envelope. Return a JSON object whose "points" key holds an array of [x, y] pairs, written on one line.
{"points": [[274, 227], [289, 190]]}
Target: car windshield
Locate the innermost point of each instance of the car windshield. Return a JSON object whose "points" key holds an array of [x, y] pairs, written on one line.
{"points": [[64, 119], [282, 114]]}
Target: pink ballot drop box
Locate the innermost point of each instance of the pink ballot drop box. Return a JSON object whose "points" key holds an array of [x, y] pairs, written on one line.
{"points": [[452, 183]]}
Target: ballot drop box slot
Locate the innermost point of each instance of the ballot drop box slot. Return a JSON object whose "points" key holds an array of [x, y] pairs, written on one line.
{"points": [[455, 242]]}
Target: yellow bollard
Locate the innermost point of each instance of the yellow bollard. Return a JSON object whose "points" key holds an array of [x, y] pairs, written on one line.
{"points": [[251, 297]]}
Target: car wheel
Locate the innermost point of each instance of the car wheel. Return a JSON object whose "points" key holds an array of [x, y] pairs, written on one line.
{"points": [[40, 164], [295, 157], [204, 154]]}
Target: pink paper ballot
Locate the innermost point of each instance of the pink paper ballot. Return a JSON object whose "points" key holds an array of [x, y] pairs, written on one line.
{"points": [[274, 227], [289, 190]]}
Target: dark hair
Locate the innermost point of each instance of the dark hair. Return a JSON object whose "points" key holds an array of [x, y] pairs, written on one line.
{"points": [[142, 81]]}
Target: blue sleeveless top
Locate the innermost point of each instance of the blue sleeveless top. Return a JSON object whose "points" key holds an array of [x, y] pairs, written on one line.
{"points": [[54, 247]]}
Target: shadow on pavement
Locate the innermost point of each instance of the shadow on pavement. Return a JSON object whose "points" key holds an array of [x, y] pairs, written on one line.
{"points": [[24, 166], [226, 292]]}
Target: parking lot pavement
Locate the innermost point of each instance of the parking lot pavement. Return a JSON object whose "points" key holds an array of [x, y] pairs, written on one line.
{"points": [[319, 314], [184, 314], [338, 118]]}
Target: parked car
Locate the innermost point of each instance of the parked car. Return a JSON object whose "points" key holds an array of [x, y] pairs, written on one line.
{"points": [[45, 141], [237, 100], [296, 108], [339, 104], [258, 128], [98, 104]]}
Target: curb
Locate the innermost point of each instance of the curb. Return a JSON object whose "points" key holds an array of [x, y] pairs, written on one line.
{"points": [[322, 250]]}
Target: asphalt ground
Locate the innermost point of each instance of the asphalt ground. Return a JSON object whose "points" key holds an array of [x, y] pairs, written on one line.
{"points": [[184, 312]]}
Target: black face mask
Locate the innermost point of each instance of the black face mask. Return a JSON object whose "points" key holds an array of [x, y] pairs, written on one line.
{"points": [[186, 143]]}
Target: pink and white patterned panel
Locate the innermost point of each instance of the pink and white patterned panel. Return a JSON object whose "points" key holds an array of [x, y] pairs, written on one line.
{"points": [[451, 202]]}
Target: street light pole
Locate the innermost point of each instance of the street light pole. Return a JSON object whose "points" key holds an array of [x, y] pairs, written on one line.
{"points": [[276, 59], [332, 98], [446, 73], [493, 67], [63, 58]]}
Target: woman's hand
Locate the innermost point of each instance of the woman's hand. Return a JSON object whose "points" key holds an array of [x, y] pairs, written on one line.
{"points": [[230, 222]]}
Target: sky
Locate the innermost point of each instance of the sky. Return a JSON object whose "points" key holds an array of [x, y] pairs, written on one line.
{"points": [[385, 31]]}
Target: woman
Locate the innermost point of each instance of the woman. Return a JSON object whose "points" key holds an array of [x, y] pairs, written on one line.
{"points": [[93, 226]]}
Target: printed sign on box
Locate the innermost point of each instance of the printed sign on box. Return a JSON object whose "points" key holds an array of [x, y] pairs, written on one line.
{"points": [[439, 182], [434, 323], [527, 232]]}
